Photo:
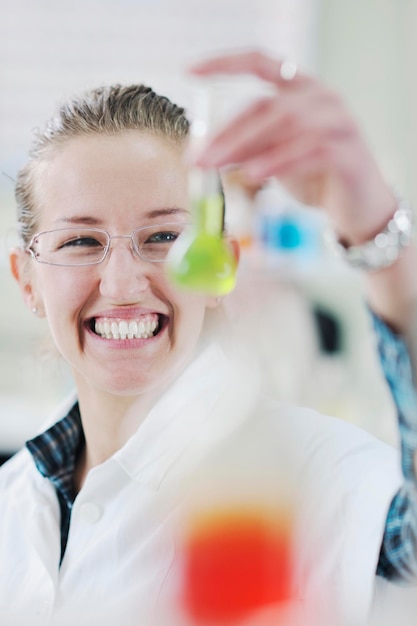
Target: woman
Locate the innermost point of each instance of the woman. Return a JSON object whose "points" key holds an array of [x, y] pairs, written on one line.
{"points": [[89, 509]]}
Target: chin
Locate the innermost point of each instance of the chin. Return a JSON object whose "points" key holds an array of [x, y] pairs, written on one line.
{"points": [[132, 386]]}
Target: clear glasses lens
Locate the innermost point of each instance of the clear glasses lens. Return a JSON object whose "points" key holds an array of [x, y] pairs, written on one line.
{"points": [[153, 243], [89, 246], [70, 246]]}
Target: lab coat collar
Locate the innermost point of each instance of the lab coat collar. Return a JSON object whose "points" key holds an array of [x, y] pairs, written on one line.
{"points": [[176, 418]]}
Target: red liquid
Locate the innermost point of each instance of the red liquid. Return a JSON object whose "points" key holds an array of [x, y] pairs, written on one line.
{"points": [[236, 565]]}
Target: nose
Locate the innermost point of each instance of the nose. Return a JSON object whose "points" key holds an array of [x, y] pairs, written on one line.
{"points": [[123, 275]]}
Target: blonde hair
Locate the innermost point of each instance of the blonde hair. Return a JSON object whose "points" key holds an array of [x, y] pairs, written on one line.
{"points": [[104, 110]]}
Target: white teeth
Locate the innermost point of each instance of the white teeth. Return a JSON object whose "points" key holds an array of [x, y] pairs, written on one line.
{"points": [[126, 329], [133, 329], [123, 330]]}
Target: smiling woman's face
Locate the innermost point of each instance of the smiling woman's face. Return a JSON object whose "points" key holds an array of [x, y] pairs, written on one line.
{"points": [[117, 183]]}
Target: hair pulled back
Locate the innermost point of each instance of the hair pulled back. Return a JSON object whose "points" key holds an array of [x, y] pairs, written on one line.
{"points": [[105, 110]]}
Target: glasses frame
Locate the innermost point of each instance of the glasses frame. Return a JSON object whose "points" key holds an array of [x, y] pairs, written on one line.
{"points": [[29, 248]]}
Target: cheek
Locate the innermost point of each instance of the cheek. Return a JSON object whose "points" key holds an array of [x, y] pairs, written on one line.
{"points": [[193, 315], [63, 293], [189, 307]]}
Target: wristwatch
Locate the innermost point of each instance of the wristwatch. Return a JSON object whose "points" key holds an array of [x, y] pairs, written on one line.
{"points": [[385, 248]]}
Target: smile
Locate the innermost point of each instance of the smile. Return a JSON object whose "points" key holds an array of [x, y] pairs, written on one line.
{"points": [[142, 328]]}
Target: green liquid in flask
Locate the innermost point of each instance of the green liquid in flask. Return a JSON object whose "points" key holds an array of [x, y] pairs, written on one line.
{"points": [[203, 260]]}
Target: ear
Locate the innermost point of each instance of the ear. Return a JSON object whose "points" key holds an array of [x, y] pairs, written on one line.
{"points": [[19, 266], [232, 242]]}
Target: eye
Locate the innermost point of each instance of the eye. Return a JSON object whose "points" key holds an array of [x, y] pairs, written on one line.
{"points": [[82, 242], [162, 237]]}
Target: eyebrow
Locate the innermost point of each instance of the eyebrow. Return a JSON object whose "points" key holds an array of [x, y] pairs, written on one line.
{"points": [[94, 221]]}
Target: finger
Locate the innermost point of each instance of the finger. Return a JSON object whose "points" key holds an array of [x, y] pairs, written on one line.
{"points": [[252, 62], [330, 149], [251, 132], [304, 167], [307, 182], [274, 124], [298, 160]]}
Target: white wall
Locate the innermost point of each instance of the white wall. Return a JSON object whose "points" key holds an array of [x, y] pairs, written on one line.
{"points": [[366, 49], [49, 48]]}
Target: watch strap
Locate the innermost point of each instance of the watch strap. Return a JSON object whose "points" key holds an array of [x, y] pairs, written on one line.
{"points": [[385, 248]]}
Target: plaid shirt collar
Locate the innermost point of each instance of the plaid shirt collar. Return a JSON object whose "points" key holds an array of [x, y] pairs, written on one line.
{"points": [[55, 452]]}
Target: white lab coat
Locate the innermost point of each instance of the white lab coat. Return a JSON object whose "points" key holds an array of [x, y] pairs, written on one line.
{"points": [[120, 562]]}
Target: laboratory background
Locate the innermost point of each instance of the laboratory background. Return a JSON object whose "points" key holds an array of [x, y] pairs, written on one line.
{"points": [[313, 332]]}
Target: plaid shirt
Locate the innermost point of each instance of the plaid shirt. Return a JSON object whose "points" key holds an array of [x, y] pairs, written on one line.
{"points": [[398, 556], [55, 453]]}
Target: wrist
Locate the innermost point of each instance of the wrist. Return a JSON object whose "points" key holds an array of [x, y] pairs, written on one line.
{"points": [[385, 246]]}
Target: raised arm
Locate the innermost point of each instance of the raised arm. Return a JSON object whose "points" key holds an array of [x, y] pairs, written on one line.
{"points": [[304, 135]]}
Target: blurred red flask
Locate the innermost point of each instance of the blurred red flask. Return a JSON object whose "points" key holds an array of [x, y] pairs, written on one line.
{"points": [[235, 563]]}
